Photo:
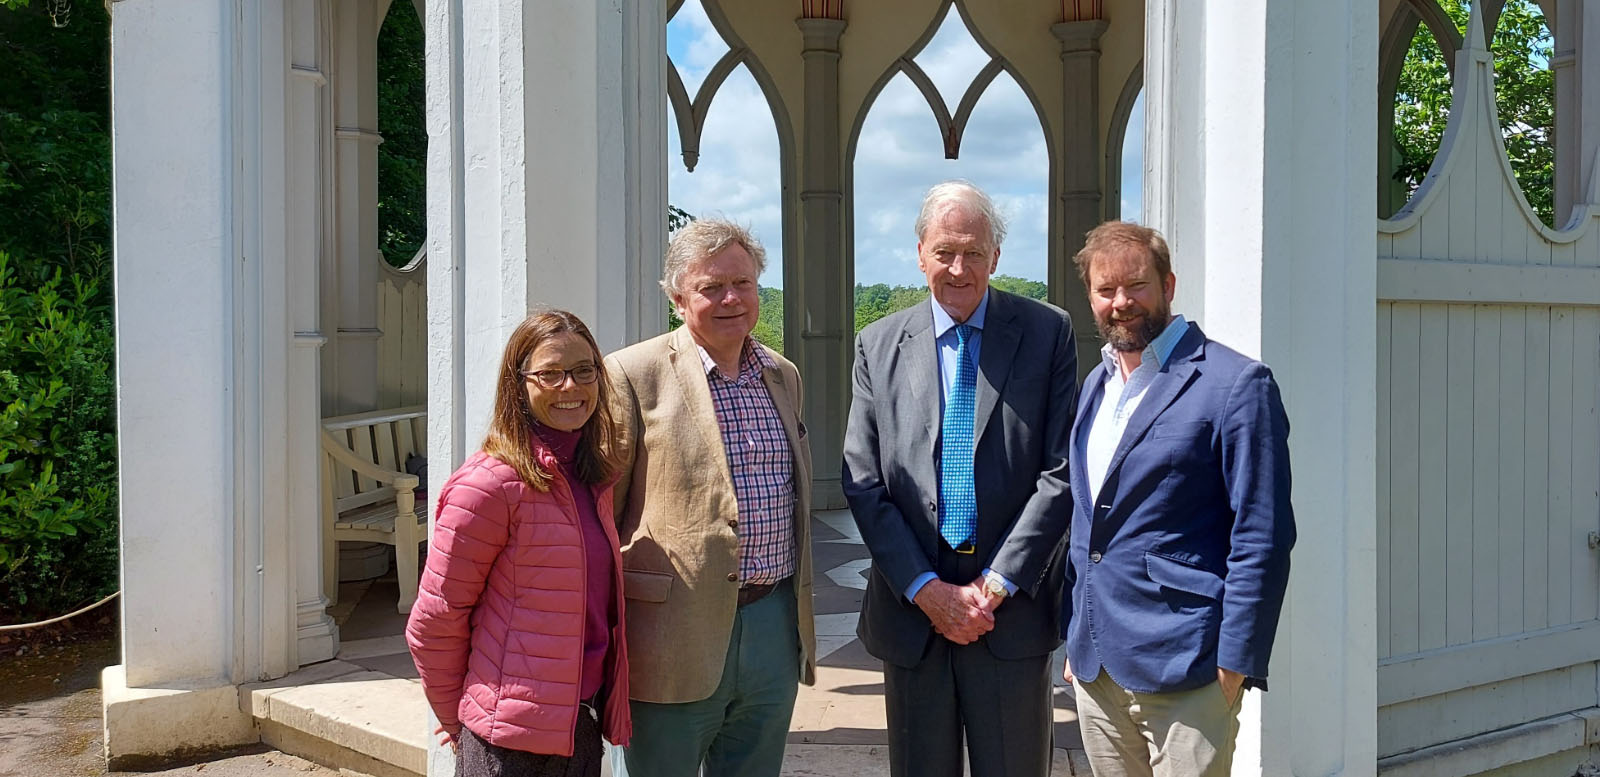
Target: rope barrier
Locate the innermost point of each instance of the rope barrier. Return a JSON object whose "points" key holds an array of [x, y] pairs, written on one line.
{"points": [[59, 618]]}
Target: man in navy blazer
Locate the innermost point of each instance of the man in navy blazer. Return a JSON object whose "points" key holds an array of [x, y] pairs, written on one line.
{"points": [[1181, 524]]}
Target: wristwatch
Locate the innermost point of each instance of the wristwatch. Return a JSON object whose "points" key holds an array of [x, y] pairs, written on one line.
{"points": [[994, 585]]}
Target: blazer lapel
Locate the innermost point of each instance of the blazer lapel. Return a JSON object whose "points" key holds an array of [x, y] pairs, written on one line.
{"points": [[1000, 341], [920, 354], [1094, 389], [691, 374], [1164, 388]]}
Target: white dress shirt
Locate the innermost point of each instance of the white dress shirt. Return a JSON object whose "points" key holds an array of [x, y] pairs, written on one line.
{"points": [[1122, 398]]}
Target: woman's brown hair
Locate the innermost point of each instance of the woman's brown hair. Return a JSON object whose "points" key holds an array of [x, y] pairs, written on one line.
{"points": [[511, 436]]}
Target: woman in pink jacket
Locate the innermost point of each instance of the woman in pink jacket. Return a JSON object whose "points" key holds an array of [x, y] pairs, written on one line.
{"points": [[517, 630]]}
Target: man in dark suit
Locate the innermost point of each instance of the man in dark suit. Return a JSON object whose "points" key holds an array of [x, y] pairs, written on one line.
{"points": [[955, 467], [1181, 524]]}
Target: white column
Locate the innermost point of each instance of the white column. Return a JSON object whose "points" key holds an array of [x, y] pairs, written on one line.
{"points": [[546, 186], [350, 274], [308, 158], [1267, 113], [203, 369], [1173, 202]]}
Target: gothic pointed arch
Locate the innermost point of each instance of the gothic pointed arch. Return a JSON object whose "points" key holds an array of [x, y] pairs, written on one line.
{"points": [[1116, 140], [952, 125]]}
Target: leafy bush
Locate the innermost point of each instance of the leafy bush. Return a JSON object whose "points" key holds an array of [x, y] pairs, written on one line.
{"points": [[58, 536]]}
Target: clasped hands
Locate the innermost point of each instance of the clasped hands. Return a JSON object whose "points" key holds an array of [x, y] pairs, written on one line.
{"points": [[960, 613]]}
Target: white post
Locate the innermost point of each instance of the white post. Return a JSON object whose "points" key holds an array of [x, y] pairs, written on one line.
{"points": [[1576, 63], [308, 156], [350, 274], [1268, 110], [1173, 203], [203, 369], [546, 187]]}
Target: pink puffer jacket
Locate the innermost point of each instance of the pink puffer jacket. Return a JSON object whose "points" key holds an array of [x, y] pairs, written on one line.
{"points": [[497, 630]]}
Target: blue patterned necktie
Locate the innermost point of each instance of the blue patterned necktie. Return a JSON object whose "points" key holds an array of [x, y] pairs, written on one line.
{"points": [[958, 517]]}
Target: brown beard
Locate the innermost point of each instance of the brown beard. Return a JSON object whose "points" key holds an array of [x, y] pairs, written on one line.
{"points": [[1133, 339]]}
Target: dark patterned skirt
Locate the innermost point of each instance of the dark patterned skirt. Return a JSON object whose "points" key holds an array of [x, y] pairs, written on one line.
{"points": [[477, 758]]}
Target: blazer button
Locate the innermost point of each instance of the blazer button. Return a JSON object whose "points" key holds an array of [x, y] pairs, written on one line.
{"points": [[733, 523], [1094, 556], [933, 507], [733, 577]]}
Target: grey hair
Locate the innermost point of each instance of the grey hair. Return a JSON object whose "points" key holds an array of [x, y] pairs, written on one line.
{"points": [[964, 193], [702, 238]]}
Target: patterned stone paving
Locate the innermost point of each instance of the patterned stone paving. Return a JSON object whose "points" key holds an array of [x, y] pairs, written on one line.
{"points": [[846, 705], [838, 726]]}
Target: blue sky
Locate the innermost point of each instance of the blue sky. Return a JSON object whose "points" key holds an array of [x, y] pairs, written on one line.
{"points": [[899, 155]]}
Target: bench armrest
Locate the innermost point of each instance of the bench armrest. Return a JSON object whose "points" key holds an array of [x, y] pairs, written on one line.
{"points": [[401, 481]]}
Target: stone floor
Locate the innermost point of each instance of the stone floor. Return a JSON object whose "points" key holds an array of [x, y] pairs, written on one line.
{"points": [[838, 726]]}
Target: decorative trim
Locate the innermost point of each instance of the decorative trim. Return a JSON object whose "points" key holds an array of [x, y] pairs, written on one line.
{"points": [[820, 34], [1496, 749], [356, 133], [1081, 11], [310, 73], [822, 9], [359, 333], [1116, 139], [1432, 672], [411, 272], [691, 114], [1079, 36], [1474, 118], [951, 128], [309, 340]]}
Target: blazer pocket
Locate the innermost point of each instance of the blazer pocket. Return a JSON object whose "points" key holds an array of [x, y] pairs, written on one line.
{"points": [[1172, 573], [1182, 430], [646, 586], [1184, 441]]}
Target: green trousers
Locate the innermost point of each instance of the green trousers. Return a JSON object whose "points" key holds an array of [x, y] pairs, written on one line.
{"points": [[740, 730]]}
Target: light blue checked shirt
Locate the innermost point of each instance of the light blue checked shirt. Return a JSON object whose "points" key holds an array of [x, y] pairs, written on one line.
{"points": [[944, 330], [1122, 398]]}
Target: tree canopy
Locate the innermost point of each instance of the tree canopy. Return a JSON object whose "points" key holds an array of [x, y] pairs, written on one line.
{"points": [[1524, 90]]}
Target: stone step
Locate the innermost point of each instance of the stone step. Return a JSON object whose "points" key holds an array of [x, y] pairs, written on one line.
{"points": [[344, 716]]}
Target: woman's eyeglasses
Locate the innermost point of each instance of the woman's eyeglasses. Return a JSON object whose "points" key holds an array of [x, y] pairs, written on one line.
{"points": [[581, 375]]}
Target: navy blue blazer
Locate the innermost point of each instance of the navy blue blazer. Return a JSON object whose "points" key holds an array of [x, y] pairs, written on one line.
{"points": [[1180, 565]]}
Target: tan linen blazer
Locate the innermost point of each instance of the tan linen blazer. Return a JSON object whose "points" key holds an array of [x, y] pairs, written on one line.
{"points": [[676, 512]]}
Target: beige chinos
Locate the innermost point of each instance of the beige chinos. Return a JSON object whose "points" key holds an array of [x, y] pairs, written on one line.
{"points": [[1180, 734]]}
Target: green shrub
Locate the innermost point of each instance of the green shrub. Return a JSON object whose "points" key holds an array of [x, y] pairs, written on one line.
{"points": [[58, 535]]}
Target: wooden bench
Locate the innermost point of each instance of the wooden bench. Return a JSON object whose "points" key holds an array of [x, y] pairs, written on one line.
{"points": [[367, 496]]}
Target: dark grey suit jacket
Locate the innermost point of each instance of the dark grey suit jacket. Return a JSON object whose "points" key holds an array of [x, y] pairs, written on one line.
{"points": [[1026, 396]]}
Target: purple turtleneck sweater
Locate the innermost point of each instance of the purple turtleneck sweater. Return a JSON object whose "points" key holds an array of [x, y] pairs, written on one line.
{"points": [[597, 560]]}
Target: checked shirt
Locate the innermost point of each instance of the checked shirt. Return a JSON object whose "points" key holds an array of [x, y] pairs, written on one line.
{"points": [[761, 464]]}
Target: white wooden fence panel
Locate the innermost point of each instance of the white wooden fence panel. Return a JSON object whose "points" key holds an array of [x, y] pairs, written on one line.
{"points": [[1561, 465], [1385, 467], [1458, 478], [1512, 462], [1409, 725], [1404, 417], [1486, 470], [1433, 431], [402, 349], [1536, 497], [1489, 444], [1585, 482]]}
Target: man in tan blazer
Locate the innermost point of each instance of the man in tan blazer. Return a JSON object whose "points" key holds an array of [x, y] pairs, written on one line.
{"points": [[713, 508]]}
